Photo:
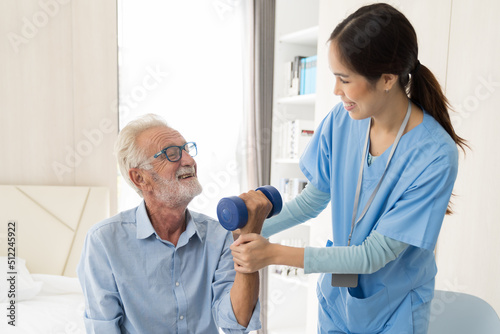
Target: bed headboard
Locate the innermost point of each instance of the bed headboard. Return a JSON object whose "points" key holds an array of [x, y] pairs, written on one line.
{"points": [[51, 224]]}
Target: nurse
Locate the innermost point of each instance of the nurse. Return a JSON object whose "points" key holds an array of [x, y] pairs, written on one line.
{"points": [[386, 158]]}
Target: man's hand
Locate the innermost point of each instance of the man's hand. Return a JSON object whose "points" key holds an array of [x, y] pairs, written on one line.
{"points": [[259, 207]]}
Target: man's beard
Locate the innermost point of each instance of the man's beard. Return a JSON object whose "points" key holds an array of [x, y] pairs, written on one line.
{"points": [[175, 193]]}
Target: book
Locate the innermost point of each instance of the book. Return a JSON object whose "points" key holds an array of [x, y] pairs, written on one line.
{"points": [[288, 70], [295, 86], [302, 76], [296, 136], [289, 188], [310, 75]]}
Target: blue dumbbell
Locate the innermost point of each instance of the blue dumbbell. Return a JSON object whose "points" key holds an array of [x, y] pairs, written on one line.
{"points": [[233, 213]]}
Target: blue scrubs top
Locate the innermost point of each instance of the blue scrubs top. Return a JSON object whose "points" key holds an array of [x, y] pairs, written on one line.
{"points": [[409, 206]]}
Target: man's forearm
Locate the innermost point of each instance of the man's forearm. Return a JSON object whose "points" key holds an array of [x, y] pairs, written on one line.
{"points": [[244, 295], [245, 291]]}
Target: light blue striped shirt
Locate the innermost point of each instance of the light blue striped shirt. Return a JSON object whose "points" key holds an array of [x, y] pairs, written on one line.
{"points": [[134, 282]]}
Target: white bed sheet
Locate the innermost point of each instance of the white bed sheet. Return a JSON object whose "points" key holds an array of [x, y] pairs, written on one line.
{"points": [[58, 308]]}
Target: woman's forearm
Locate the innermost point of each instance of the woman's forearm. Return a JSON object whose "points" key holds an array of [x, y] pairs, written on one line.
{"points": [[308, 204], [375, 252], [287, 256], [252, 252]]}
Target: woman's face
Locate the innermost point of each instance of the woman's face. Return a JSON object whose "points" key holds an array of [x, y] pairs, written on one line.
{"points": [[361, 99]]}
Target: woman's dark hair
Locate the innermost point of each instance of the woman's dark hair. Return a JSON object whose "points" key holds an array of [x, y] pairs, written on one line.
{"points": [[378, 39]]}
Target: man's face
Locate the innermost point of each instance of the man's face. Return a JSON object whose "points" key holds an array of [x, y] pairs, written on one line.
{"points": [[173, 183]]}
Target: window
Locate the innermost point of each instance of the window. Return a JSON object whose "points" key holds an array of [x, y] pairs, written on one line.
{"points": [[183, 60]]}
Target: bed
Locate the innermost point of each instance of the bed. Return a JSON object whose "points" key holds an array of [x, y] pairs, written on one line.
{"points": [[46, 227]]}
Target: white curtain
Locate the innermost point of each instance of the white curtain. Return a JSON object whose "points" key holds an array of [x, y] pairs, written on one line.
{"points": [[258, 106], [259, 90]]}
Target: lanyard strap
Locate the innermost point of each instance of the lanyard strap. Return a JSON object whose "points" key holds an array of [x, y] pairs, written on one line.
{"points": [[360, 176]]}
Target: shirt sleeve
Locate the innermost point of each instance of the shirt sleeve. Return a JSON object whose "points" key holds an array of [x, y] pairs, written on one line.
{"points": [[315, 161], [417, 216], [307, 205], [222, 308], [373, 254], [103, 311]]}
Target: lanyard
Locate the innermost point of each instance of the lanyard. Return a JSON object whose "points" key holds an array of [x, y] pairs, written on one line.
{"points": [[360, 176]]}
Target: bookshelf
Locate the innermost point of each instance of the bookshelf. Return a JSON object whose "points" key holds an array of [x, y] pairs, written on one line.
{"points": [[296, 35]]}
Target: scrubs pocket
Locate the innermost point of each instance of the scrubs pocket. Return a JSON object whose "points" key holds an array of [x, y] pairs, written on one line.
{"points": [[368, 315]]}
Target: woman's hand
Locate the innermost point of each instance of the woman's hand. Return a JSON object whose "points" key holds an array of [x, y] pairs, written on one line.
{"points": [[251, 252]]}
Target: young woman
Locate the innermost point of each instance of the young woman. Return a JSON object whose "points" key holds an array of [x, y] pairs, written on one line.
{"points": [[387, 159]]}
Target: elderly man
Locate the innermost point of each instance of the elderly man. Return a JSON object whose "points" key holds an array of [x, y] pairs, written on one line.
{"points": [[161, 268]]}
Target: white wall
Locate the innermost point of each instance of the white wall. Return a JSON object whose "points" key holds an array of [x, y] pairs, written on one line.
{"points": [[459, 42], [468, 248], [58, 90]]}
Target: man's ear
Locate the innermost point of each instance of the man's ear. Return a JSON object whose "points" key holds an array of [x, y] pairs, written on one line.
{"points": [[388, 80], [137, 176]]}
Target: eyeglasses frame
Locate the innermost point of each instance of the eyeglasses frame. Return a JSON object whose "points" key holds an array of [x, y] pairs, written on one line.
{"points": [[182, 148]]}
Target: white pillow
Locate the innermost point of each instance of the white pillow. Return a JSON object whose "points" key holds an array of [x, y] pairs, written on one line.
{"points": [[57, 285], [26, 288]]}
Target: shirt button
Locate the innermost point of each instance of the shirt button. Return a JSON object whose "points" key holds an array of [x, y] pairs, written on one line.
{"points": [[177, 283], [181, 317]]}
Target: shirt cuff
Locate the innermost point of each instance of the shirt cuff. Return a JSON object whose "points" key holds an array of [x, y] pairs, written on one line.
{"points": [[227, 320]]}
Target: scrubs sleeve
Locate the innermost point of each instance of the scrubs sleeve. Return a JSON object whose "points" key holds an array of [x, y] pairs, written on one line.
{"points": [[416, 218], [367, 258], [316, 159], [307, 205]]}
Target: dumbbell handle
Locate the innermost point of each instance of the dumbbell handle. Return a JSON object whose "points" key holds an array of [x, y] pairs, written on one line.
{"points": [[233, 213]]}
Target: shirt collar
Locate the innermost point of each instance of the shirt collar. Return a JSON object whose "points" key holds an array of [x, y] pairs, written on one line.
{"points": [[144, 226], [193, 228], [145, 229]]}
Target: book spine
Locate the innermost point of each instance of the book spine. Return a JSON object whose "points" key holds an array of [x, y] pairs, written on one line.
{"points": [[313, 70], [295, 89], [310, 73], [288, 71], [303, 76]]}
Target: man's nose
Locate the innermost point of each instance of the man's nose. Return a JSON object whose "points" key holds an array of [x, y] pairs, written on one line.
{"points": [[187, 159]]}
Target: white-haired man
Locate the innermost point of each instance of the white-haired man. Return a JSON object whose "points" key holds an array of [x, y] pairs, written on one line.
{"points": [[161, 268]]}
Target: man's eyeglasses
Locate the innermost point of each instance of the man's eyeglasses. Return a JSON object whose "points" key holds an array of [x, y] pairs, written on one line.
{"points": [[174, 153]]}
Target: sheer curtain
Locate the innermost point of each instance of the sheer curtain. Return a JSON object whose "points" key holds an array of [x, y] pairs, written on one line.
{"points": [[258, 106], [259, 89]]}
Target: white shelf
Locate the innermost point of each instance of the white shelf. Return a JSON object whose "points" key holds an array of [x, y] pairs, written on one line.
{"points": [[307, 36], [288, 299], [309, 99]]}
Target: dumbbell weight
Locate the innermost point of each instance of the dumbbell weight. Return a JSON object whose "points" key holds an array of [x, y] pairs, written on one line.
{"points": [[233, 213]]}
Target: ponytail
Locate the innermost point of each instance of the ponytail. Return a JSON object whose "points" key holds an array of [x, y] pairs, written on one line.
{"points": [[424, 90]]}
